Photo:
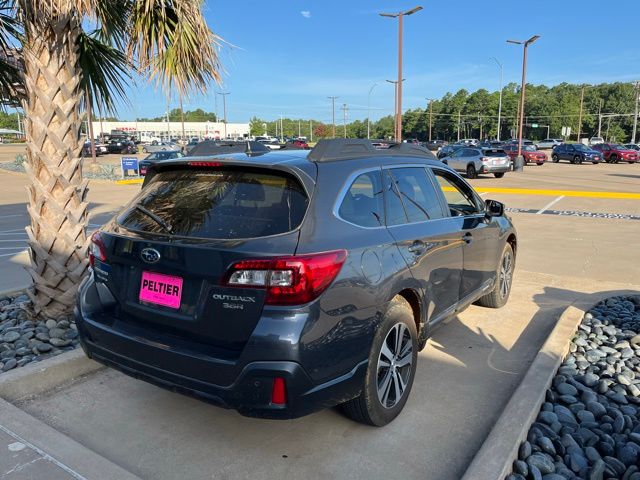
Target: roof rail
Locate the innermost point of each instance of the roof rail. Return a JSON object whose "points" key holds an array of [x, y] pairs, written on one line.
{"points": [[331, 150]]}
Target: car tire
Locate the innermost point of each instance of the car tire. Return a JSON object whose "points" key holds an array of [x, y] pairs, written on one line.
{"points": [[374, 406], [499, 174], [577, 160], [555, 158], [471, 171], [504, 279], [540, 163], [595, 163], [613, 159]]}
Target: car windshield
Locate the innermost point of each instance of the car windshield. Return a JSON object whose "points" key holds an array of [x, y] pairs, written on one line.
{"points": [[223, 203], [163, 155], [581, 147], [618, 147], [528, 148]]}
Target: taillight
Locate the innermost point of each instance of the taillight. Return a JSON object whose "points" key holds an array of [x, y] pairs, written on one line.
{"points": [[485, 159], [292, 280], [96, 248], [204, 164], [278, 392]]}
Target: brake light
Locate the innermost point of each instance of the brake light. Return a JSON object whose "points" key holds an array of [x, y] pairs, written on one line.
{"points": [[96, 248], [485, 159], [204, 164], [291, 280]]}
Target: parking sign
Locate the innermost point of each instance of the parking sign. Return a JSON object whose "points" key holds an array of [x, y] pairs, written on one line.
{"points": [[129, 164]]}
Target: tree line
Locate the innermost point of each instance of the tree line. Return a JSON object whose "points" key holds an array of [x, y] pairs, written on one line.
{"points": [[475, 115]]}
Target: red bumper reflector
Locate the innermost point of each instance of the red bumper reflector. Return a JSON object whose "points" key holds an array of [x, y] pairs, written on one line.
{"points": [[278, 394]]}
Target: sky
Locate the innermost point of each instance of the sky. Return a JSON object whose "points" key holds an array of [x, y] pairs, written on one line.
{"points": [[285, 57]]}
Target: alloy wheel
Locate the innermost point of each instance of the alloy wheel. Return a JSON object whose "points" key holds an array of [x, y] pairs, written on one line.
{"points": [[506, 274], [394, 365]]}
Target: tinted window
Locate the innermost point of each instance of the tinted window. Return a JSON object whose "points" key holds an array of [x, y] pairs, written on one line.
{"points": [[459, 196], [224, 203], [362, 204], [417, 193], [494, 153]]}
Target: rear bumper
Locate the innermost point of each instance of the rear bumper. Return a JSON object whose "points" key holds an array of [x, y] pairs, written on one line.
{"points": [[495, 168], [243, 386]]}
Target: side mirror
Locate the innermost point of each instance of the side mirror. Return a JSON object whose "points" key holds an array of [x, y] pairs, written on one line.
{"points": [[494, 208]]}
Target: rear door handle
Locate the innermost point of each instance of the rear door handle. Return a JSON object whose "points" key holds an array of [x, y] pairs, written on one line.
{"points": [[467, 237], [418, 247]]}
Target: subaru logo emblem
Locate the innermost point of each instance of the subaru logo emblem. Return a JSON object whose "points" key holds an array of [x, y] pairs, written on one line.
{"points": [[150, 255]]}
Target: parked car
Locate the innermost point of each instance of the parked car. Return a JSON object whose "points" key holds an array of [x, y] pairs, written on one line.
{"points": [[86, 150], [154, 157], [272, 284], [121, 146], [596, 140], [297, 144], [614, 153], [271, 144], [575, 153], [435, 145], [530, 153], [549, 143], [475, 161], [161, 147], [449, 149], [469, 141]]}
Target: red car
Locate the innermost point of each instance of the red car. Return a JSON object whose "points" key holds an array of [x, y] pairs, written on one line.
{"points": [[529, 152], [614, 153], [298, 144]]}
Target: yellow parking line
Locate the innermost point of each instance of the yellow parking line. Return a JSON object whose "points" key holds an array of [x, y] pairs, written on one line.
{"points": [[131, 181], [566, 193]]}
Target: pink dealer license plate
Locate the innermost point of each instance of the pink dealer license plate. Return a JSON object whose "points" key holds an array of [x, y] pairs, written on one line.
{"points": [[164, 290]]}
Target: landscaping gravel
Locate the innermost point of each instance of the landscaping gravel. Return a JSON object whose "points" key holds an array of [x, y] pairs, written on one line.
{"points": [[25, 339], [106, 172], [589, 425]]}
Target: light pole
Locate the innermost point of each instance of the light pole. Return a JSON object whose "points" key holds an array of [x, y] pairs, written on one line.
{"points": [[518, 165], [369, 110], [344, 118], [224, 110], [430, 115], [395, 106], [635, 116], [400, 16], [500, 100], [333, 115], [266, 133]]}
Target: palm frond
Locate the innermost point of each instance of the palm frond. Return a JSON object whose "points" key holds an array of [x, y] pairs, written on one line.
{"points": [[9, 25], [105, 71], [172, 44], [112, 19]]}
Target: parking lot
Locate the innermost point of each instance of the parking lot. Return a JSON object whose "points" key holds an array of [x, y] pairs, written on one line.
{"points": [[578, 229]]}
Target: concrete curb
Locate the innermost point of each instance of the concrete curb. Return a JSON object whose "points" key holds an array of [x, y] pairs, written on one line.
{"points": [[14, 291], [495, 458], [39, 377], [78, 461]]}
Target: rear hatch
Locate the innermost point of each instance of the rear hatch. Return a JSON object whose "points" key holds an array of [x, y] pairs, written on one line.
{"points": [[165, 257]]}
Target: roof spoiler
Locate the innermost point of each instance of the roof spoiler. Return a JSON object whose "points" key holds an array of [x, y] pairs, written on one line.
{"points": [[331, 150]]}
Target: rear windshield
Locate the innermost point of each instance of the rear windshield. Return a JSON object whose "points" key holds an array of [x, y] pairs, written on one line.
{"points": [[494, 153], [227, 203]]}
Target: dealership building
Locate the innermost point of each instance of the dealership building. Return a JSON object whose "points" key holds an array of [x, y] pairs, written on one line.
{"points": [[148, 131]]}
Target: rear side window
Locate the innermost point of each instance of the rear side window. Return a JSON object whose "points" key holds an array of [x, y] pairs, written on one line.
{"points": [[226, 203], [417, 194], [362, 204]]}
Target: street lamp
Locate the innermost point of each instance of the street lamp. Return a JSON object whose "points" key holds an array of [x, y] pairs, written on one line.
{"points": [[224, 110], [395, 106], [430, 100], [499, 101], [400, 16], [518, 164], [369, 110]]}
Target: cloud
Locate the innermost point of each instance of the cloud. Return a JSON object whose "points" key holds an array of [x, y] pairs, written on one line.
{"points": [[305, 13]]}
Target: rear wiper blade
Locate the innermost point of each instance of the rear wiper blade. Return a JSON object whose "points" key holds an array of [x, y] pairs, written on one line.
{"points": [[155, 218]]}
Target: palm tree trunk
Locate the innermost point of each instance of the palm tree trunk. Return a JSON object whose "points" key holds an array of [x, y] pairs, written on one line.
{"points": [[57, 207]]}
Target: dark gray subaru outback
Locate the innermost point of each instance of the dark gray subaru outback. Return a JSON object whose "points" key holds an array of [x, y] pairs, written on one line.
{"points": [[278, 284]]}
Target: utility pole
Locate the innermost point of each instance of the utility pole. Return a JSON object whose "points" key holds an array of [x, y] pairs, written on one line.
{"points": [[344, 118], [580, 115], [400, 16], [182, 117], [224, 110], [600, 119], [519, 162], [168, 124], [430, 115], [500, 100], [311, 130], [333, 115], [281, 127], [299, 131], [635, 116], [459, 112], [480, 122]]}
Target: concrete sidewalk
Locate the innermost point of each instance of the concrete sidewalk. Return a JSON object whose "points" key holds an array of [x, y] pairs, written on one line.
{"points": [[465, 377]]}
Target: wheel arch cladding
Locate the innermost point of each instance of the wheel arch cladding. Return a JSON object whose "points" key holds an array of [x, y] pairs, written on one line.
{"points": [[412, 297], [511, 240]]}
